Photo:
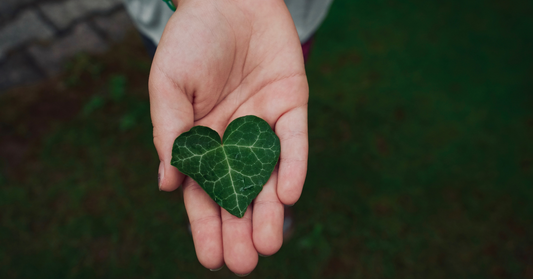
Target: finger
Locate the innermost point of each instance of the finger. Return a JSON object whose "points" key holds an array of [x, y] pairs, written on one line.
{"points": [[240, 255], [291, 129], [268, 219], [206, 226], [172, 114]]}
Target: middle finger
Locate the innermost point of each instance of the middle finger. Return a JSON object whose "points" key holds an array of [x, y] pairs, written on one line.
{"points": [[239, 251]]}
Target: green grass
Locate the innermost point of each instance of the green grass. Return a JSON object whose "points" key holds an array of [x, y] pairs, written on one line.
{"points": [[421, 157]]}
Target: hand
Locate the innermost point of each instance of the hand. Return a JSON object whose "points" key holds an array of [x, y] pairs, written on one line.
{"points": [[216, 61]]}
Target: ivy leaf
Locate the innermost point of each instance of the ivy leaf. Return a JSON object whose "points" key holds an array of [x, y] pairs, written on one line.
{"points": [[232, 173]]}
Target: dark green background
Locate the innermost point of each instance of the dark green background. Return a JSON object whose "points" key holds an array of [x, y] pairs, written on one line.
{"points": [[421, 156]]}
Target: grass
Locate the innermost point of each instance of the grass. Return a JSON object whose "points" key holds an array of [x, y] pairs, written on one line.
{"points": [[421, 156]]}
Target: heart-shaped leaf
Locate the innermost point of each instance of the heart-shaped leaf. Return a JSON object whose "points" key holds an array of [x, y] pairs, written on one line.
{"points": [[232, 173]]}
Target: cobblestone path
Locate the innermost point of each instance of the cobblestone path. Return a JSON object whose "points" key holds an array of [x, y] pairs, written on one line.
{"points": [[37, 37]]}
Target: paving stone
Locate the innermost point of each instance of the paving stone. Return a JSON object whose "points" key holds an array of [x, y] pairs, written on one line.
{"points": [[9, 6], [62, 14], [115, 26], [100, 5], [82, 39], [26, 27], [17, 70]]}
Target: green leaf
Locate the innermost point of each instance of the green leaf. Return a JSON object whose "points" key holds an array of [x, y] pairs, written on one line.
{"points": [[232, 173]]}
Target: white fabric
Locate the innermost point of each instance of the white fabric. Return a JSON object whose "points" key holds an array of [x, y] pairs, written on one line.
{"points": [[151, 16], [307, 15]]}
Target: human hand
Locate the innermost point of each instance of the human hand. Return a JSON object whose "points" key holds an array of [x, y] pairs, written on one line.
{"points": [[216, 61]]}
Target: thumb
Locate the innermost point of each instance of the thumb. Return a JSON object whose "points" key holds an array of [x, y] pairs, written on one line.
{"points": [[172, 114]]}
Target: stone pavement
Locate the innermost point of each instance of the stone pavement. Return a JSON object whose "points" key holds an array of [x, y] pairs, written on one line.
{"points": [[38, 36]]}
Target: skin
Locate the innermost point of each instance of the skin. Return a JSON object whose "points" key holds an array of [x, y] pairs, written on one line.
{"points": [[218, 60]]}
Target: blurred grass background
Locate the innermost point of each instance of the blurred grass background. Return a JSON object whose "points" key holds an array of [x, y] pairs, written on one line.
{"points": [[421, 156]]}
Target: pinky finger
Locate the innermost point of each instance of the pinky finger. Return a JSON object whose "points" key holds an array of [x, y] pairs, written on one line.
{"points": [[291, 128]]}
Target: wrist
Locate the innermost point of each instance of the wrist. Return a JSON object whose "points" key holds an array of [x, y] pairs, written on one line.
{"points": [[178, 2]]}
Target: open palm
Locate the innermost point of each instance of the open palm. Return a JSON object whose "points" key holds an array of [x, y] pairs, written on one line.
{"points": [[219, 60]]}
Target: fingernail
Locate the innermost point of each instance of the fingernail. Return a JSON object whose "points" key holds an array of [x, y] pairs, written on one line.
{"points": [[261, 255], [217, 269], [160, 175], [242, 275]]}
